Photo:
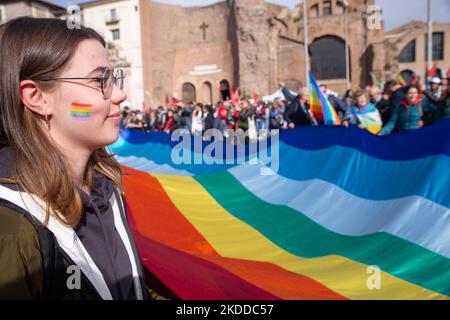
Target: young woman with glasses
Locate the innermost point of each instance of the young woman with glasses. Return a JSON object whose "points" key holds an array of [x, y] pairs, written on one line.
{"points": [[63, 227]]}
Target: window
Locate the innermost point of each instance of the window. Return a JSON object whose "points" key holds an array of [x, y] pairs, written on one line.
{"points": [[327, 8], [225, 89], [113, 13], [408, 53], [328, 58], [340, 7], [115, 34], [314, 11], [188, 92], [207, 92], [438, 46]]}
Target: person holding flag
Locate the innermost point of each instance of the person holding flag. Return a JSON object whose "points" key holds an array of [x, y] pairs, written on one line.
{"points": [[363, 114], [297, 111], [321, 108]]}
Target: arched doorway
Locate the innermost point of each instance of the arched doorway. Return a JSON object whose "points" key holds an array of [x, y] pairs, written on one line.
{"points": [[188, 92], [328, 58], [225, 90], [206, 93]]}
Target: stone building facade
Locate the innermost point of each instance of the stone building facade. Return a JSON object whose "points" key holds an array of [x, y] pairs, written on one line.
{"points": [[10, 9], [197, 53], [406, 49], [190, 48]]}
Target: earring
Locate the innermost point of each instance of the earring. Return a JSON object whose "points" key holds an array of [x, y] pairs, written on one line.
{"points": [[46, 122]]}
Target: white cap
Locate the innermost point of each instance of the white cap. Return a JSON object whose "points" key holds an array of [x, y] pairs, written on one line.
{"points": [[436, 80]]}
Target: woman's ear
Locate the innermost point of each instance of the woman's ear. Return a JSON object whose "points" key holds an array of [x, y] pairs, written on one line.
{"points": [[33, 98]]}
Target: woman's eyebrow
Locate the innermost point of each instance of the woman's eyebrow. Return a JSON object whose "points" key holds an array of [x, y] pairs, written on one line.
{"points": [[101, 69]]}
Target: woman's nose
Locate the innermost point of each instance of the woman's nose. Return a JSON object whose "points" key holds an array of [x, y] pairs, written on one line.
{"points": [[118, 96]]}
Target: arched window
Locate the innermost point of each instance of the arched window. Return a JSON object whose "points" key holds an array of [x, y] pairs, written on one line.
{"points": [[314, 11], [225, 90], [340, 7], [188, 92], [438, 46], [327, 11], [206, 93], [328, 58], [408, 53]]}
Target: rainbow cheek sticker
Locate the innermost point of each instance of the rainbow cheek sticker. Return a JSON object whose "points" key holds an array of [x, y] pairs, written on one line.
{"points": [[81, 111]]}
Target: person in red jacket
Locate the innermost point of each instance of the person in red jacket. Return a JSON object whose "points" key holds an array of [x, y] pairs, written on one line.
{"points": [[169, 123]]}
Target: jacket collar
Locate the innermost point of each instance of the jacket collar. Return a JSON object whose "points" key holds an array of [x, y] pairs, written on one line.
{"points": [[406, 104]]}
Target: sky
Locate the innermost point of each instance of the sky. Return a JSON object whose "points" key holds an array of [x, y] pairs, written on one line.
{"points": [[410, 9]]}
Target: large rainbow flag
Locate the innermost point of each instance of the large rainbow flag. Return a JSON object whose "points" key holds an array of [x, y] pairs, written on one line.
{"points": [[319, 104], [344, 211]]}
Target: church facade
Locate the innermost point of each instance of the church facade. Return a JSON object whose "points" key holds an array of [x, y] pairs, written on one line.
{"points": [[199, 53]]}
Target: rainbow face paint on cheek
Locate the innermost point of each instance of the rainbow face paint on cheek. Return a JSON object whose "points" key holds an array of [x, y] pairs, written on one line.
{"points": [[80, 110]]}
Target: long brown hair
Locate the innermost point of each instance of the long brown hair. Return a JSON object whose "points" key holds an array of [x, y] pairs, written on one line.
{"points": [[35, 49]]}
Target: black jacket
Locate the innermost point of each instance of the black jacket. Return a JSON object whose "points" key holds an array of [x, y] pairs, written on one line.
{"points": [[209, 121], [294, 111], [396, 98], [385, 111]]}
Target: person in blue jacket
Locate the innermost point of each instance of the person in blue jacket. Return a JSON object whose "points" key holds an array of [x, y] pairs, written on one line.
{"points": [[408, 114]]}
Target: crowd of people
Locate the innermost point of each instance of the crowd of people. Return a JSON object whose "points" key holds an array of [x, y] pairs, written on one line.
{"points": [[392, 108]]}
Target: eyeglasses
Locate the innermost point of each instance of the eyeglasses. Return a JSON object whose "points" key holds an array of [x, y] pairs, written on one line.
{"points": [[109, 77]]}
